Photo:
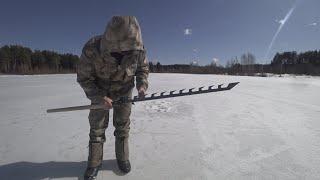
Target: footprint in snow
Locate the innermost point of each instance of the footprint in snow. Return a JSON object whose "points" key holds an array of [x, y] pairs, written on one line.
{"points": [[159, 106]]}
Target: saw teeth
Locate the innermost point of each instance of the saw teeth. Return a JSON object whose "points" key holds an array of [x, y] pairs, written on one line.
{"points": [[219, 86], [190, 90], [210, 87], [181, 91], [162, 93], [200, 88], [171, 92], [152, 95]]}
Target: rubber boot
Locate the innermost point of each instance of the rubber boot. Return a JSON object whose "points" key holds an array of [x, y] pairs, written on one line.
{"points": [[122, 154], [94, 160], [124, 166]]}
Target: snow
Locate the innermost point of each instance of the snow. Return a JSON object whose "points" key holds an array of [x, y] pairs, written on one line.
{"points": [[264, 128]]}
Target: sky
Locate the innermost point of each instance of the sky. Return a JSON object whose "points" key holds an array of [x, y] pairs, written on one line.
{"points": [[179, 31]]}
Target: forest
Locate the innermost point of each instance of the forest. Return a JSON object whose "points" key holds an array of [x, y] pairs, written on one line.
{"points": [[15, 59]]}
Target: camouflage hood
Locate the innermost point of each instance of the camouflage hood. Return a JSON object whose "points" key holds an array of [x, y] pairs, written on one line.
{"points": [[122, 34]]}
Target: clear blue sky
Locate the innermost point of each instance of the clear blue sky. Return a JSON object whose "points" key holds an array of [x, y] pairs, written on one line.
{"points": [[176, 31]]}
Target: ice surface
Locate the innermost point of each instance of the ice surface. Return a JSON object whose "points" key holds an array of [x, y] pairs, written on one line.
{"points": [[265, 128]]}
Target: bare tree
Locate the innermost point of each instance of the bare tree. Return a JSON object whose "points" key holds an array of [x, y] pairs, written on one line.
{"points": [[247, 61]]}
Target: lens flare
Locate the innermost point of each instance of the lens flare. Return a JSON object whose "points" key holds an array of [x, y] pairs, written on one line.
{"points": [[282, 22]]}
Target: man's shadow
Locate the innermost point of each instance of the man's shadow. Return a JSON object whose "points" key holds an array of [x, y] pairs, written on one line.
{"points": [[52, 169]]}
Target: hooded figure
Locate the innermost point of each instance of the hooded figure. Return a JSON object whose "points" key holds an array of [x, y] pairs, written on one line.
{"points": [[106, 71], [122, 34]]}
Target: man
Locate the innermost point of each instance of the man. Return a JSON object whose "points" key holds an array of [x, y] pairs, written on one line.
{"points": [[106, 72]]}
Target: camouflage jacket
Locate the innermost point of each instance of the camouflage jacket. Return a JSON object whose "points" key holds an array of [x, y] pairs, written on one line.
{"points": [[100, 74]]}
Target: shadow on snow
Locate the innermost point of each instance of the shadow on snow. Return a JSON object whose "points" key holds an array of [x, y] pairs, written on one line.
{"points": [[37, 171]]}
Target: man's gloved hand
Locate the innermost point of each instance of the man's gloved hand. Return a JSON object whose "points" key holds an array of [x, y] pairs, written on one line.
{"points": [[142, 92], [108, 102]]}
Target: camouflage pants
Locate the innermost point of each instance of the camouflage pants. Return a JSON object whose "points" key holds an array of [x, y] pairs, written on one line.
{"points": [[99, 120]]}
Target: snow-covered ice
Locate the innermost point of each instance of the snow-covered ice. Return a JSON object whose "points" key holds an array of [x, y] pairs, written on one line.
{"points": [[265, 128]]}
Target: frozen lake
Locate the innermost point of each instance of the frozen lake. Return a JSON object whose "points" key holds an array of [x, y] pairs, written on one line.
{"points": [[265, 128]]}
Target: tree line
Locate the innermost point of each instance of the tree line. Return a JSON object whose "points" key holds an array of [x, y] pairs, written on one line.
{"points": [[283, 63], [294, 63], [17, 59]]}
